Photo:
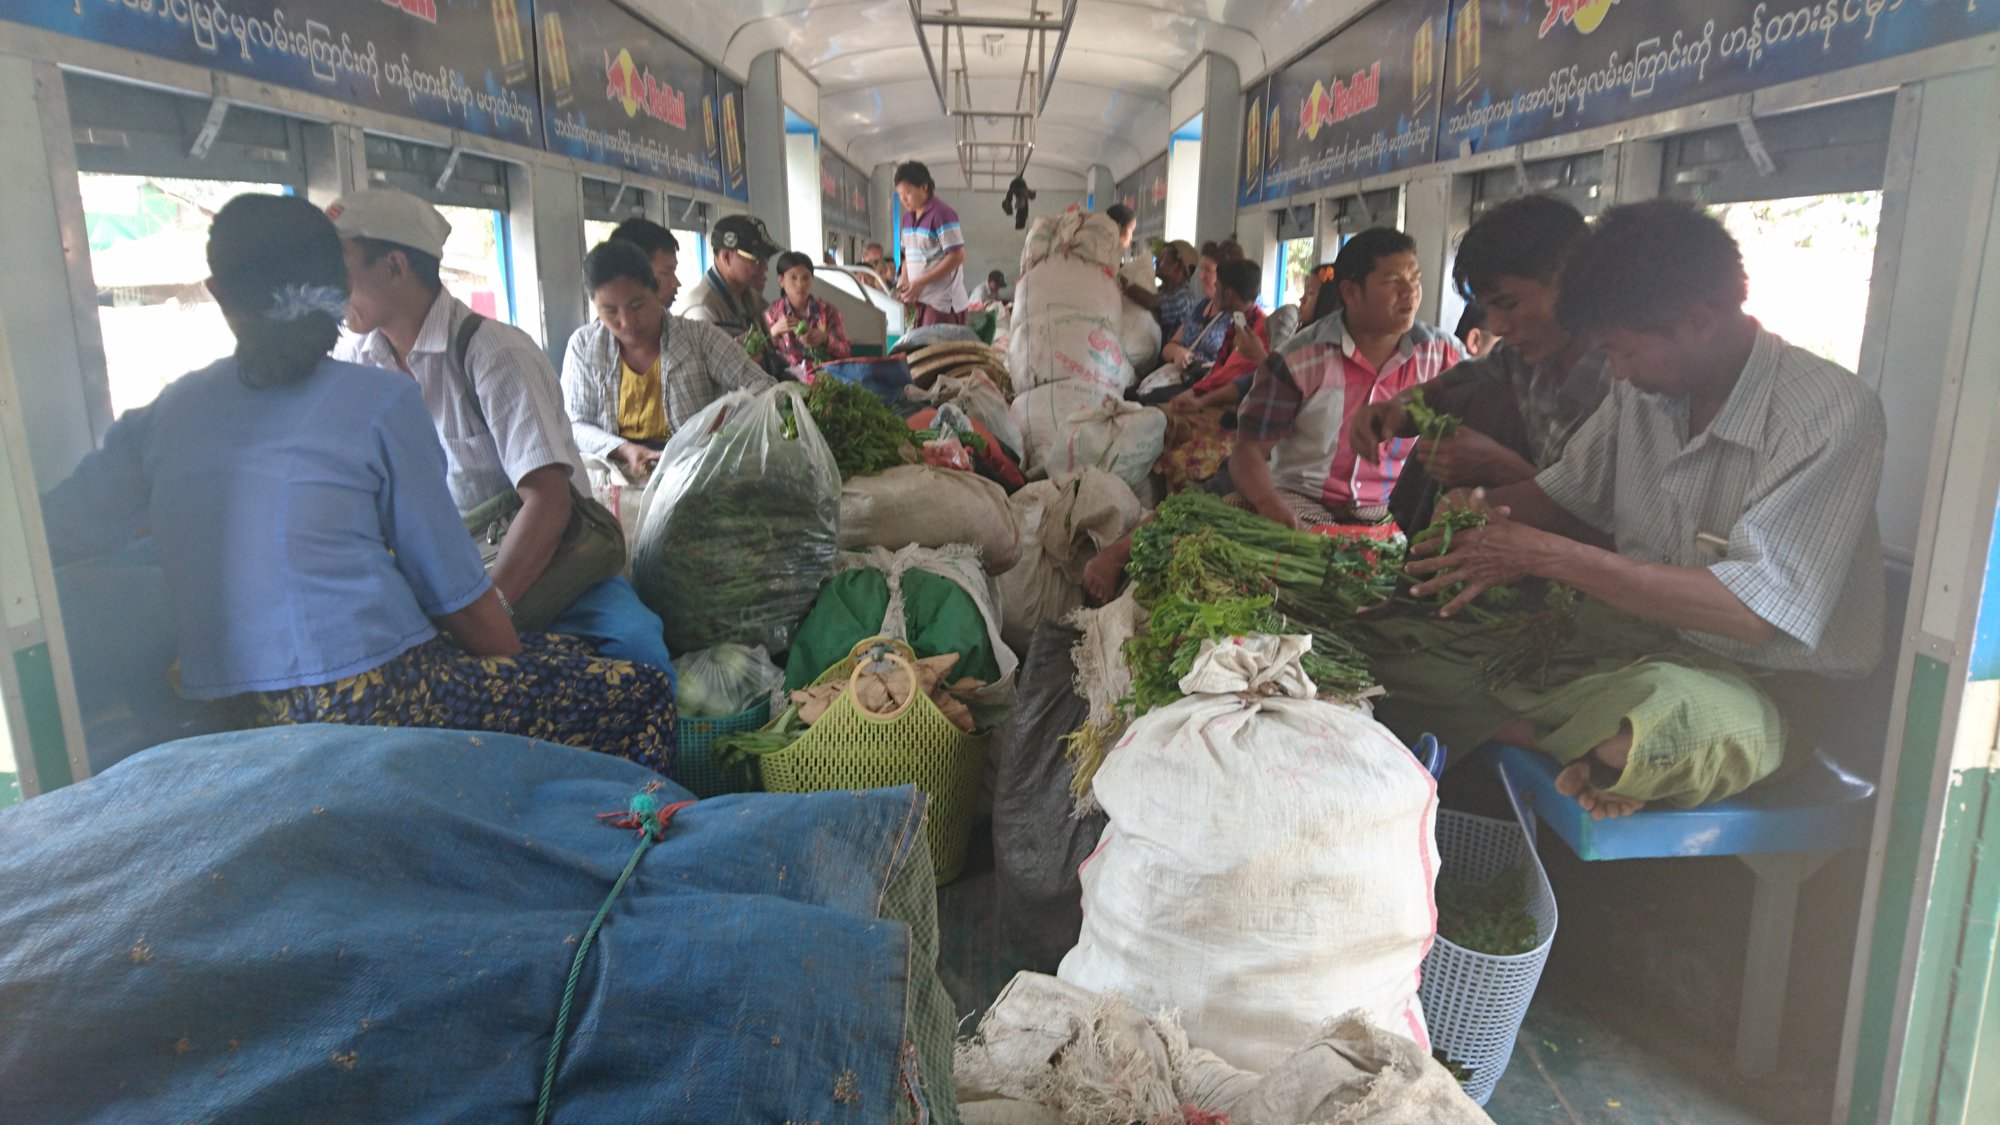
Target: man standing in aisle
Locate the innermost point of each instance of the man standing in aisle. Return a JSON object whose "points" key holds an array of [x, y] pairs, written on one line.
{"points": [[731, 294], [495, 401], [933, 276]]}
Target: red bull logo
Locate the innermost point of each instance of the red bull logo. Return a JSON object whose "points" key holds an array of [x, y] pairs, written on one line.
{"points": [[1358, 95], [639, 92], [426, 10], [1584, 15]]}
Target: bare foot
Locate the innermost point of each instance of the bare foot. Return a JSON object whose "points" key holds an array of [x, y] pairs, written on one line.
{"points": [[1576, 781]]}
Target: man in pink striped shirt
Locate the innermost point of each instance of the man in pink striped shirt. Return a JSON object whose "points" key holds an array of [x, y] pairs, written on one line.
{"points": [[1293, 461]]}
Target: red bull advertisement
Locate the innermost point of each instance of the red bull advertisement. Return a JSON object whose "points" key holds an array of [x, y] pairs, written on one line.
{"points": [[466, 64], [1362, 103], [1523, 70], [843, 194], [616, 90], [1145, 192]]}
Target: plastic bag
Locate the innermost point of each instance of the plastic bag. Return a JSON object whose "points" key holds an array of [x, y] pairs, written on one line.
{"points": [[725, 680], [740, 523]]}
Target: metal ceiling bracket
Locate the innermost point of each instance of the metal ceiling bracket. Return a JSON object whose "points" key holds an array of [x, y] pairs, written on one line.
{"points": [[993, 23], [450, 166], [930, 62], [1062, 40], [211, 126], [618, 199], [1753, 144], [1521, 170], [1367, 212]]}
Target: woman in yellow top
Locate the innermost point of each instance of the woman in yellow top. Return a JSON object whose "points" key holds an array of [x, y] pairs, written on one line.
{"points": [[636, 374]]}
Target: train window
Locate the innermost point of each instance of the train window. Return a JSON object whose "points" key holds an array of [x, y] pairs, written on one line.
{"points": [[605, 205], [1349, 215], [1802, 194], [1296, 245], [121, 129], [473, 197], [1577, 180], [149, 256]]}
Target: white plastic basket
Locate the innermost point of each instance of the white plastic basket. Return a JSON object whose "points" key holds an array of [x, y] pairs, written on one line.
{"points": [[1474, 1002]]}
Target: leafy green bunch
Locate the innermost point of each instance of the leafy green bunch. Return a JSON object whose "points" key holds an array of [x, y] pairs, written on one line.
{"points": [[865, 435]]}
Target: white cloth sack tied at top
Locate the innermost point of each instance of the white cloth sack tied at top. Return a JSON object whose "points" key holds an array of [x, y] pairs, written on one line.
{"points": [[1068, 312], [1268, 864], [1065, 521], [929, 506]]}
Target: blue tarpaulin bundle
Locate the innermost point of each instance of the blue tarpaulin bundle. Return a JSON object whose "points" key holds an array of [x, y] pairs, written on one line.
{"points": [[348, 924]]}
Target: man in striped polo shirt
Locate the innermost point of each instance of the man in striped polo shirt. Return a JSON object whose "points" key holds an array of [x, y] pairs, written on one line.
{"points": [[1294, 462], [1735, 476], [933, 277]]}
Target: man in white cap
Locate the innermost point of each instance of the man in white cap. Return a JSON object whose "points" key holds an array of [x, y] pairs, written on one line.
{"points": [[494, 399]]}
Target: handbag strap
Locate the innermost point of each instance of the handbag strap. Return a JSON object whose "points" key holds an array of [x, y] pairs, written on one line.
{"points": [[461, 345]]}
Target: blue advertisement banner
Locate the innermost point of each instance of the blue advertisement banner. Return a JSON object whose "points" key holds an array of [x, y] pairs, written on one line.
{"points": [[1363, 103], [729, 127], [1145, 192], [467, 64], [617, 91], [843, 192], [1522, 70]]}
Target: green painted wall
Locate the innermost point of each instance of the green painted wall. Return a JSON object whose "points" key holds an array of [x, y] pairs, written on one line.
{"points": [[1929, 679], [43, 714]]}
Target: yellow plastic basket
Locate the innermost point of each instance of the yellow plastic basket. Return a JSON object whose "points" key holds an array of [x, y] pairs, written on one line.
{"points": [[851, 748]]}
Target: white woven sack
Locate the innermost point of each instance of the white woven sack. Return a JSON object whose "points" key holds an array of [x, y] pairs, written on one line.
{"points": [[1268, 863], [1122, 438], [1139, 336], [1064, 521], [927, 506], [1065, 328], [1040, 413]]}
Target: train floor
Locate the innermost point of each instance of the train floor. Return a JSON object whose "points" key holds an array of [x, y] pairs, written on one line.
{"points": [[1635, 1017]]}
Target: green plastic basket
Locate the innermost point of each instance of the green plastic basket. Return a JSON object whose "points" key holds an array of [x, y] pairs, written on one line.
{"points": [[695, 766], [849, 748]]}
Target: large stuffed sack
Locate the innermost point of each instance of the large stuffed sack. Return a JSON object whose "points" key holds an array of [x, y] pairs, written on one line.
{"points": [[1048, 1053], [1086, 236], [1040, 412], [937, 601], [982, 400], [1122, 438], [349, 924], [930, 507], [740, 523], [1065, 521], [1268, 863], [1037, 841], [1066, 329]]}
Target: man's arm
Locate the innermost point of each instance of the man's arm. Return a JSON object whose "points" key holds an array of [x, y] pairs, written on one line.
{"points": [[482, 628], [1250, 471], [950, 262], [584, 398], [1143, 297], [536, 531], [1508, 550]]}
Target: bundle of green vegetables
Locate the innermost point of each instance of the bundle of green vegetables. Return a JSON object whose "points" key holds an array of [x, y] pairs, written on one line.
{"points": [[865, 435], [1487, 917], [1320, 579]]}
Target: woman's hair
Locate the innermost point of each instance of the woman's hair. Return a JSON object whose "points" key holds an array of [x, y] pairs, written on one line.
{"points": [[1327, 301], [1228, 250], [1120, 214], [277, 268], [791, 260], [608, 261]]}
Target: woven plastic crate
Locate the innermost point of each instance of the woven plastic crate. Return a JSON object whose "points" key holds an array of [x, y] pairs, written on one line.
{"points": [[1474, 1002], [849, 748], [695, 766]]}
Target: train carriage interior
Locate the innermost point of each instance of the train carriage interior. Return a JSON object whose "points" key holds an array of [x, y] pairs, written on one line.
{"points": [[1818, 947]]}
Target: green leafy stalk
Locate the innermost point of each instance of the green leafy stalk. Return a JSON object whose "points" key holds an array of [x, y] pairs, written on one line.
{"points": [[865, 436], [1487, 917]]}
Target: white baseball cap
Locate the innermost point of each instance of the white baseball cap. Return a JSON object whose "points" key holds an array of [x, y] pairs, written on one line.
{"points": [[389, 215]]}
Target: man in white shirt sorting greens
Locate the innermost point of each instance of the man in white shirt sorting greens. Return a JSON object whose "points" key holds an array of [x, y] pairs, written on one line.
{"points": [[499, 413], [1735, 476], [933, 277]]}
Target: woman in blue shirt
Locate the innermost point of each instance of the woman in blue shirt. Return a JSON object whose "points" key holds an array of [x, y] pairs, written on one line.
{"points": [[317, 564]]}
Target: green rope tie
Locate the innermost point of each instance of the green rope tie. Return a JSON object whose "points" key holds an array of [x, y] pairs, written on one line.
{"points": [[646, 816]]}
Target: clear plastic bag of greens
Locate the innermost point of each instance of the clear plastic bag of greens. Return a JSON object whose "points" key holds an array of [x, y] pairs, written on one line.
{"points": [[725, 680], [739, 523]]}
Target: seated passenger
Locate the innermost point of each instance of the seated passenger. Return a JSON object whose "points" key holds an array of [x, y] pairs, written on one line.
{"points": [[1519, 404], [661, 248], [1294, 461], [1197, 441], [806, 330], [636, 374], [731, 294], [1203, 339], [1285, 323], [1736, 475], [1128, 226], [992, 291], [495, 402], [1182, 289], [1473, 334], [309, 538]]}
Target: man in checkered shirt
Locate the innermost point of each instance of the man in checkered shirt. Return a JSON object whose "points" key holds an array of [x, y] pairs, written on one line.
{"points": [[1735, 477]]}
